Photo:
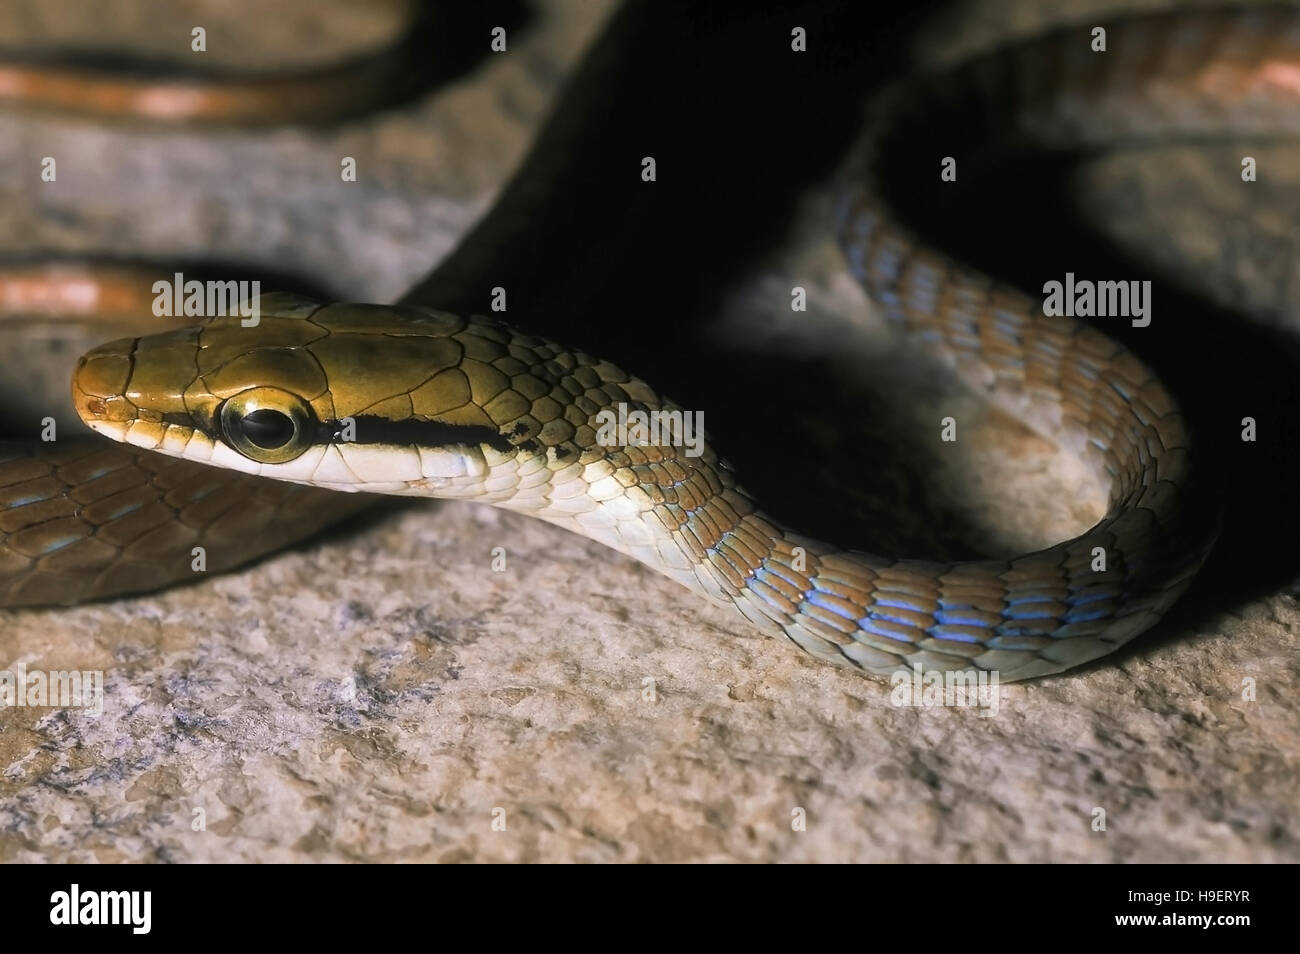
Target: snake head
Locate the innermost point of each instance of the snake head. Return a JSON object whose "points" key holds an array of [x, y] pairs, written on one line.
{"points": [[350, 397]]}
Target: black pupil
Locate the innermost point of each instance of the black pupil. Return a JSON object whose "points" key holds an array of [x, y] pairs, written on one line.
{"points": [[267, 429]]}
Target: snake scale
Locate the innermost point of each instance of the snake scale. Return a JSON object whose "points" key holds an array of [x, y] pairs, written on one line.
{"points": [[413, 400]]}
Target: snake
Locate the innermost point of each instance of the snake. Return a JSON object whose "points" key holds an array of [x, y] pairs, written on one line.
{"points": [[241, 439]]}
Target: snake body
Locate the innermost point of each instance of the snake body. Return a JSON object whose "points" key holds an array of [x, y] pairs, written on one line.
{"points": [[416, 401]]}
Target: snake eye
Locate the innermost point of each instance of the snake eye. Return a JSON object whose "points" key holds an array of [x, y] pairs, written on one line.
{"points": [[267, 425], [269, 430]]}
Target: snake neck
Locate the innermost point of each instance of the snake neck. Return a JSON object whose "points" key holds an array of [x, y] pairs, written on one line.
{"points": [[625, 468]]}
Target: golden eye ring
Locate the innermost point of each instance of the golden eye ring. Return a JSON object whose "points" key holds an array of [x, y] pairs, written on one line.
{"points": [[267, 425]]}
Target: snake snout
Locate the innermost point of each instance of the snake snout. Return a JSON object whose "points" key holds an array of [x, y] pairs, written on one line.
{"points": [[100, 382]]}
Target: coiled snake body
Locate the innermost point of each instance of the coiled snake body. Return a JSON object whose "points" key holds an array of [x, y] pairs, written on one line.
{"points": [[412, 400]]}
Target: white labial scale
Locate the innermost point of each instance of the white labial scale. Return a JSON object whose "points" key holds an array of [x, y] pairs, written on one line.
{"points": [[174, 441], [223, 456], [146, 434], [381, 487], [301, 469], [381, 463], [332, 468], [199, 447], [348, 488], [445, 463], [112, 431]]}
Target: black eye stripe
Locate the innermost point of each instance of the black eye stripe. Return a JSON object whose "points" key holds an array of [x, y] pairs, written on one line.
{"points": [[371, 429], [271, 429]]}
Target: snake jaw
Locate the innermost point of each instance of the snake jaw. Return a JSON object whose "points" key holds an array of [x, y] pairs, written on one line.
{"points": [[113, 430]]}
